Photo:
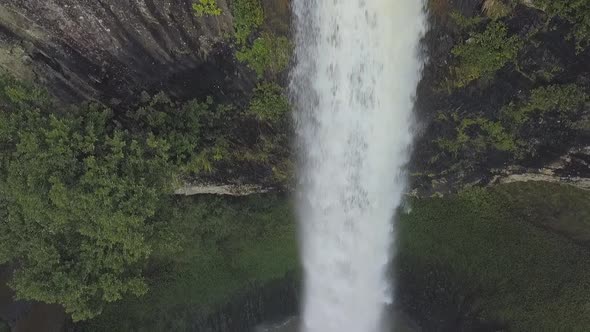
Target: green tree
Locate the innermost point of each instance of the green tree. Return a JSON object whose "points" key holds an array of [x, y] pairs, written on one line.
{"points": [[80, 195]]}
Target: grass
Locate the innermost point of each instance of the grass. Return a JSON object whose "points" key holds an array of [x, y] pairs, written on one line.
{"points": [[511, 257], [481, 257], [230, 245], [562, 209]]}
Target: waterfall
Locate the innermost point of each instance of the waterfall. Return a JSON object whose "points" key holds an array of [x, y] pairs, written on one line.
{"points": [[357, 69]]}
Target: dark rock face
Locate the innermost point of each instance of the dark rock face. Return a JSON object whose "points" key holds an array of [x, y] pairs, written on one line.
{"points": [[110, 50], [560, 155]]}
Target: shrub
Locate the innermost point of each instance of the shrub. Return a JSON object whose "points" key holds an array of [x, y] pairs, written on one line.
{"points": [[563, 99], [207, 7], [248, 16], [576, 12], [483, 54], [478, 136], [268, 54], [269, 103]]}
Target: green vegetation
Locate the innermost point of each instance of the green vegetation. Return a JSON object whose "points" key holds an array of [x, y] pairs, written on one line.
{"points": [[483, 54], [79, 196], [270, 107], [196, 132], [576, 12], [227, 245], [84, 191], [551, 109], [478, 135], [88, 219], [518, 130], [248, 16], [480, 256], [566, 100], [563, 209], [268, 53], [207, 8], [269, 104], [477, 256]]}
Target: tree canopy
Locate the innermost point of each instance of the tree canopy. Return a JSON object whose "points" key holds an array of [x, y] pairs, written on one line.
{"points": [[84, 190], [80, 194]]}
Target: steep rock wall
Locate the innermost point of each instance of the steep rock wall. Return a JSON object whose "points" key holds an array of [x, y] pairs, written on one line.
{"points": [[110, 50]]}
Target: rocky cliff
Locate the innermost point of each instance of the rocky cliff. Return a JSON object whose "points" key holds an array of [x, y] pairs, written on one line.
{"points": [[111, 50]]}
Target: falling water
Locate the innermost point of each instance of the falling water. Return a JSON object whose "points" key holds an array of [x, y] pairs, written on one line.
{"points": [[357, 68]]}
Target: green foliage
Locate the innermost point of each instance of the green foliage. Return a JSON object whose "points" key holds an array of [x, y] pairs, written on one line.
{"points": [[483, 54], [517, 131], [208, 139], [270, 107], [480, 256], [269, 104], [546, 117], [248, 16], [268, 54], [476, 135], [207, 8], [15, 94], [80, 195], [83, 191], [577, 12], [563, 99], [227, 245], [181, 126]]}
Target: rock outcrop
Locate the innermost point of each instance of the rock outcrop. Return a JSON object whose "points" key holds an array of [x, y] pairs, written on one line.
{"points": [[221, 189], [572, 168], [110, 50]]}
